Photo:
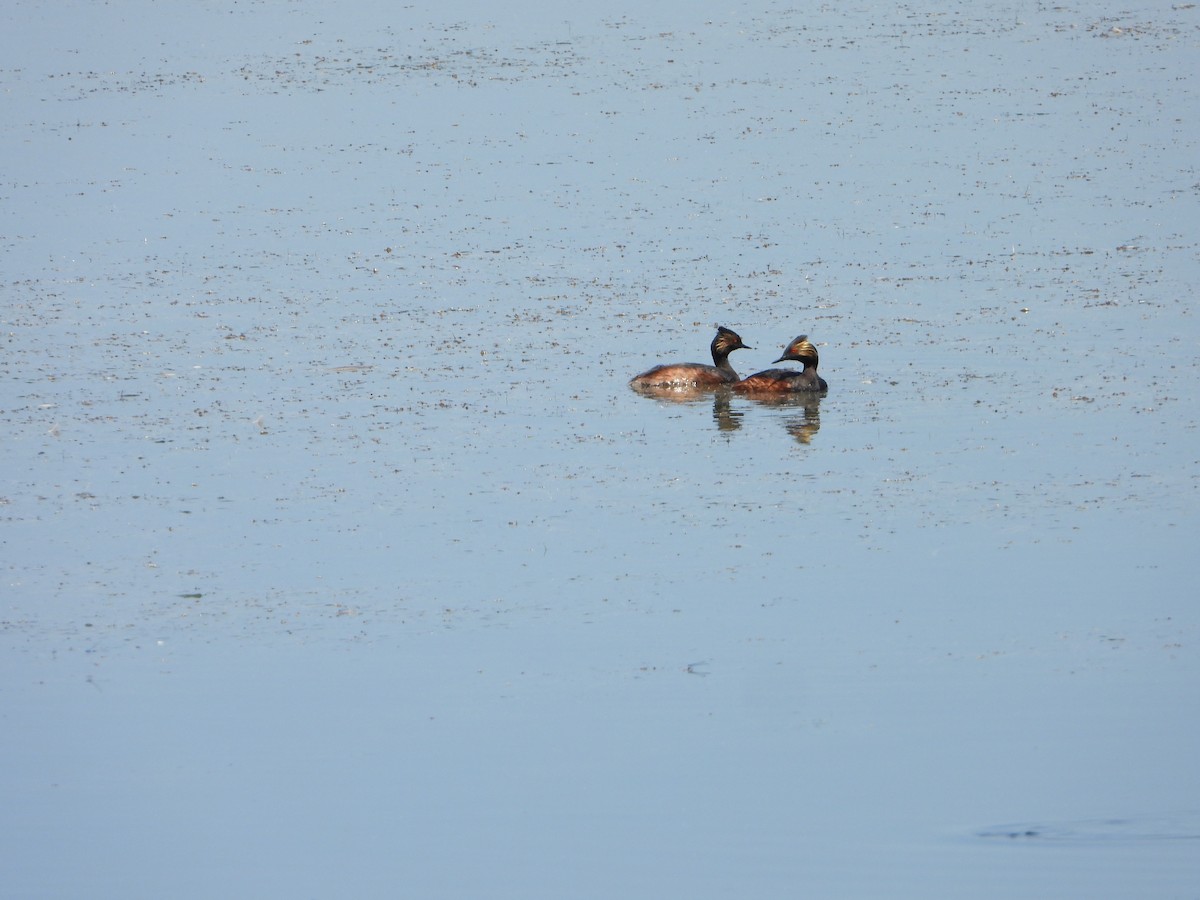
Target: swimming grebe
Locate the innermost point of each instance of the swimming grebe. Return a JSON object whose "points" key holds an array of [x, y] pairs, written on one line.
{"points": [[690, 375], [778, 381]]}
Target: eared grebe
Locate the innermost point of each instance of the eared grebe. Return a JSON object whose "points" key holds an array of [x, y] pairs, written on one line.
{"points": [[780, 381], [695, 375]]}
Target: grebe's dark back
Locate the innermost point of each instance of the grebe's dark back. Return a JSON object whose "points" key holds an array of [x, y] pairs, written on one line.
{"points": [[696, 375], [779, 381]]}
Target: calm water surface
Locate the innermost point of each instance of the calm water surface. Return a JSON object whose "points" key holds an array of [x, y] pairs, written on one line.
{"points": [[339, 560]]}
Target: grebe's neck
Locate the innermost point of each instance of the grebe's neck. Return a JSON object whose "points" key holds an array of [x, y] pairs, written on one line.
{"points": [[720, 355], [722, 345]]}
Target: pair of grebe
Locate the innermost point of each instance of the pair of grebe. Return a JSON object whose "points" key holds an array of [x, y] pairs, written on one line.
{"points": [[770, 381]]}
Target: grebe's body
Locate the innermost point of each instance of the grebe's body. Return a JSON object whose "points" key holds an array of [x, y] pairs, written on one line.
{"points": [[697, 375], [788, 381]]}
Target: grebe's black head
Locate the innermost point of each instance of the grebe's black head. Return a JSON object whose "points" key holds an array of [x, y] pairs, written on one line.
{"points": [[726, 341], [800, 350]]}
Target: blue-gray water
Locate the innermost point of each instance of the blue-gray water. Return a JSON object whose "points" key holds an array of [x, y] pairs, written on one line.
{"points": [[339, 559]]}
